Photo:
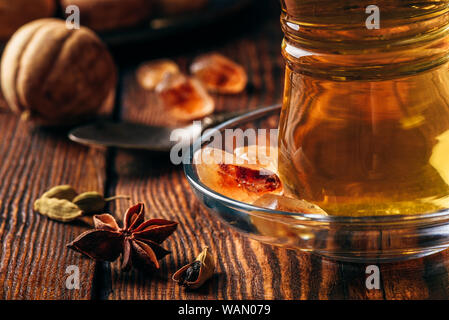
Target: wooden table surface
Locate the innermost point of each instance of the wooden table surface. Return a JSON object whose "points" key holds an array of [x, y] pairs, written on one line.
{"points": [[33, 256]]}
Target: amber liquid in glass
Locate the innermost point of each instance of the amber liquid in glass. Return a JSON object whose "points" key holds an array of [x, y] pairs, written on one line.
{"points": [[364, 128]]}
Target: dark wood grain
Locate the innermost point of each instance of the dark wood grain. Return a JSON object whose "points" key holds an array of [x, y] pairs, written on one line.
{"points": [[33, 256]]}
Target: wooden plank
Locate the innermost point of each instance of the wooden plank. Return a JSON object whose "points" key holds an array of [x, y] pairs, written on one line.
{"points": [[436, 275], [33, 256]]}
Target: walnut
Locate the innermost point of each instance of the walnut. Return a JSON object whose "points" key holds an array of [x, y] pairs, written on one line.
{"points": [[56, 75]]}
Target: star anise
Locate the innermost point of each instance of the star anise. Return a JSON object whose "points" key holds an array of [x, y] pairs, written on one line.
{"points": [[138, 241]]}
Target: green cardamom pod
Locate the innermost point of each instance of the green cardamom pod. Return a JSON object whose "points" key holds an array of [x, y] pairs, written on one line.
{"points": [[63, 203], [57, 209], [92, 201], [61, 192]]}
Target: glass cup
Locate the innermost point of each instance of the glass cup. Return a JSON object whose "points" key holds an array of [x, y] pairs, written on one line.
{"points": [[364, 128]]}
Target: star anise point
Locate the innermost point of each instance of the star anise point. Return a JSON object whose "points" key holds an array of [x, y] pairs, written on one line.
{"points": [[138, 241]]}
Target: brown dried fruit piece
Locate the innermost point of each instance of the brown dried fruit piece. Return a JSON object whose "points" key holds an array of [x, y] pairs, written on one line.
{"points": [[150, 74], [57, 76], [219, 74], [224, 173], [185, 98]]}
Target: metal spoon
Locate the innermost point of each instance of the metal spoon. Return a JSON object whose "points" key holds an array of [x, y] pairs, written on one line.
{"points": [[128, 135]]}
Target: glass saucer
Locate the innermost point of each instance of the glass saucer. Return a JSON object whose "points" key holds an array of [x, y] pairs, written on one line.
{"points": [[345, 238]]}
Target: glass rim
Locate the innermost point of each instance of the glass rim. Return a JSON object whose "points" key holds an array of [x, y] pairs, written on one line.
{"points": [[192, 177]]}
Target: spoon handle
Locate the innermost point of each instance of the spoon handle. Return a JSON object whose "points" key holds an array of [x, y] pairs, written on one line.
{"points": [[220, 118]]}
